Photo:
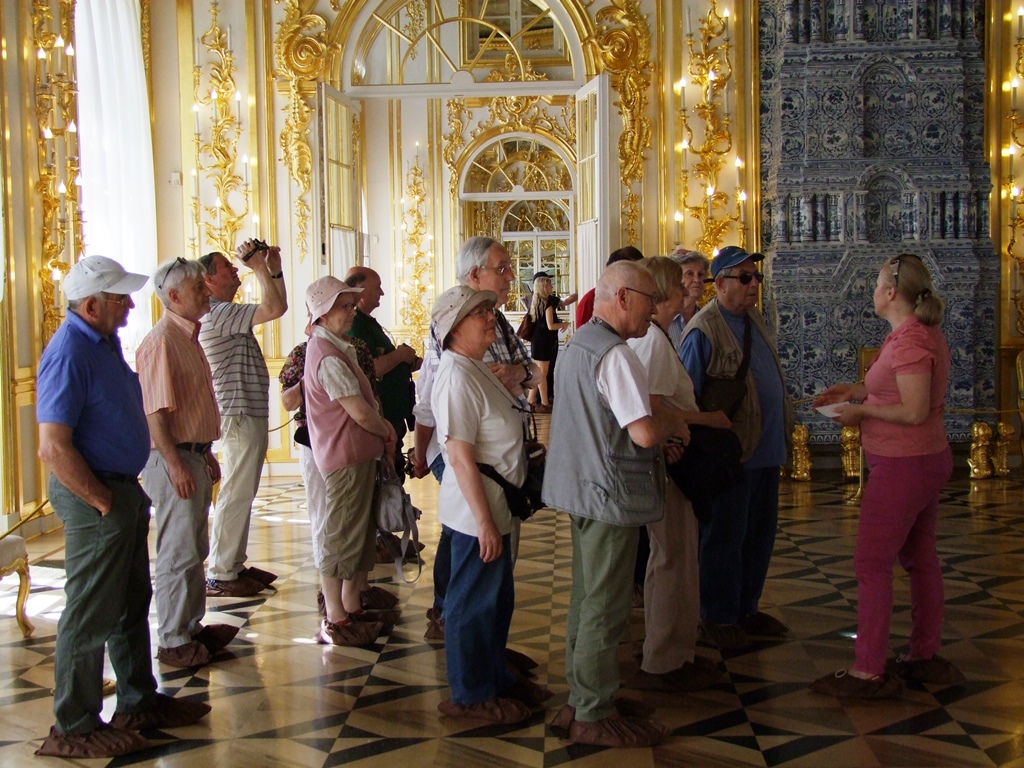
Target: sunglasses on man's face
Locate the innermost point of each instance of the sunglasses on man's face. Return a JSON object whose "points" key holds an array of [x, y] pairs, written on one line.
{"points": [[747, 277]]}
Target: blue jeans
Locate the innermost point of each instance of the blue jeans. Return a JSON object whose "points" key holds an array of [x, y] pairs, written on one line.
{"points": [[479, 606], [736, 547], [443, 556], [108, 592]]}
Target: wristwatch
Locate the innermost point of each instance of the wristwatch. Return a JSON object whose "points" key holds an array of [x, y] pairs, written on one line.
{"points": [[529, 374]]}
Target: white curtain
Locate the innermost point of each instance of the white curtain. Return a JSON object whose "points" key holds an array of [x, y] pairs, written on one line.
{"points": [[118, 190]]}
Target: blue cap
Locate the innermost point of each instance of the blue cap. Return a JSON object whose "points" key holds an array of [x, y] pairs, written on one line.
{"points": [[730, 256]]}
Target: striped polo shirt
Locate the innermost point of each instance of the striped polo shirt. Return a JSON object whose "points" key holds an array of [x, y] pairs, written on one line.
{"points": [[175, 375], [240, 376]]}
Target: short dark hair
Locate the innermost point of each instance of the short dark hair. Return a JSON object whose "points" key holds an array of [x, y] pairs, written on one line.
{"points": [[628, 253], [206, 260]]}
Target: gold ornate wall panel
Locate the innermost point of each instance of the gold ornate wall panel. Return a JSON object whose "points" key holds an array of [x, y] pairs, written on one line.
{"points": [[622, 45]]}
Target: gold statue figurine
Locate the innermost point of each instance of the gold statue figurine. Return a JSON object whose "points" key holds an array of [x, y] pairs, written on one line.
{"points": [[801, 454], [849, 443], [981, 449], [1000, 449]]}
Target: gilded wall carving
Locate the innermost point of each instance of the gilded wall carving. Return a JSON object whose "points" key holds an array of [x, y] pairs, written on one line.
{"points": [[301, 51]]}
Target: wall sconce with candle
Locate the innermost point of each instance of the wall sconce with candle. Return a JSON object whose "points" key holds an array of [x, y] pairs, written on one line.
{"points": [[709, 69], [56, 113]]}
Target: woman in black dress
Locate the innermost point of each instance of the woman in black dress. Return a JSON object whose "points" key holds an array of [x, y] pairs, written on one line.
{"points": [[544, 344]]}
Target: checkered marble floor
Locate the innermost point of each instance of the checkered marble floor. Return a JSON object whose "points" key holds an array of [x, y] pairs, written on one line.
{"points": [[281, 700]]}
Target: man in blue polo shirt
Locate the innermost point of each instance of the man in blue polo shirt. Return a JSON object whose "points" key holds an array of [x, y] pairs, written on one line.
{"points": [[94, 436]]}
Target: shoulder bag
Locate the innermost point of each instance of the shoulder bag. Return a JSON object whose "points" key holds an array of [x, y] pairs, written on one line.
{"points": [[394, 512], [727, 393], [525, 329]]}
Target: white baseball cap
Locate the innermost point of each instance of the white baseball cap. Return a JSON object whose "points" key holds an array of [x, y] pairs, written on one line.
{"points": [[98, 274]]}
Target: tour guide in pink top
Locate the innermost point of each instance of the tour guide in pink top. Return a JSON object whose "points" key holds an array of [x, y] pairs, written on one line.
{"points": [[900, 413]]}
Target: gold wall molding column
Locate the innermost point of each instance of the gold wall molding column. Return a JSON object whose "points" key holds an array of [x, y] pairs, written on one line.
{"points": [[301, 53], [624, 52]]}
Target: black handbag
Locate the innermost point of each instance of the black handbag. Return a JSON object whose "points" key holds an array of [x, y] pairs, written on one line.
{"points": [[524, 500], [726, 394], [709, 466]]}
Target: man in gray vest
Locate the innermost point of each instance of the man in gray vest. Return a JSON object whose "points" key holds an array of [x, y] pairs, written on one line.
{"points": [[736, 543], [605, 469]]}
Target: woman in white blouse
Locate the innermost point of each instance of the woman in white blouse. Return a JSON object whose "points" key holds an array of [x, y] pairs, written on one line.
{"points": [[477, 421], [672, 585]]}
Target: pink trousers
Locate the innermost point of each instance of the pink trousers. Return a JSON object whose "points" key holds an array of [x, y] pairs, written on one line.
{"points": [[898, 518]]}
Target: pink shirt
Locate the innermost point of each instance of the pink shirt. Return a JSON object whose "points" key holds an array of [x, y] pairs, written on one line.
{"points": [[175, 375], [913, 348]]}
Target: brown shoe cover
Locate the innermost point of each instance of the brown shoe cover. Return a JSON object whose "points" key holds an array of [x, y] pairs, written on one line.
{"points": [[192, 654], [376, 598], [321, 604], [688, 678], [387, 618], [350, 634], [105, 741], [566, 717], [435, 630], [617, 731], [168, 712], [497, 710], [266, 578], [214, 637], [240, 587]]}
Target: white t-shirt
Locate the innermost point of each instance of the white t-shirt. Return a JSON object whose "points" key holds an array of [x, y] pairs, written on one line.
{"points": [[666, 375], [622, 385], [469, 403]]}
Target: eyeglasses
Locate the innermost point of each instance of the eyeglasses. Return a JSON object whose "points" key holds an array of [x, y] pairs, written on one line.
{"points": [[121, 300], [894, 266], [481, 312], [347, 307], [650, 297], [746, 278], [504, 270], [177, 263]]}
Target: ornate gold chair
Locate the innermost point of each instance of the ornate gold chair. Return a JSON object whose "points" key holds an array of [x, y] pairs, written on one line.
{"points": [[14, 559]]}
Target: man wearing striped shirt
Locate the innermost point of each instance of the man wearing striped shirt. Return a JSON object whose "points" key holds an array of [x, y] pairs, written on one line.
{"points": [[177, 395], [242, 385]]}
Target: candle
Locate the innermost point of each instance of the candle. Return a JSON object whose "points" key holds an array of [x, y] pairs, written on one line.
{"points": [[725, 98], [58, 49], [679, 218], [682, 93], [238, 105], [739, 172], [711, 200], [256, 226], [195, 184], [245, 168], [743, 206], [229, 37], [686, 146], [41, 58], [1010, 153], [195, 55], [195, 112], [689, 25], [1020, 21], [1013, 92], [63, 191]]}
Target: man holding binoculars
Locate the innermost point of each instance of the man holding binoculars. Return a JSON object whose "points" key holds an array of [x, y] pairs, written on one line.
{"points": [[242, 385]]}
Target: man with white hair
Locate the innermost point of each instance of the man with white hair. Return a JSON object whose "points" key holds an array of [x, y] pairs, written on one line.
{"points": [[177, 392], [94, 437], [482, 264], [605, 470]]}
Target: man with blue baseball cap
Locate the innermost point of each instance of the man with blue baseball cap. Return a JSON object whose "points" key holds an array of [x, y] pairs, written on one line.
{"points": [[731, 357]]}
